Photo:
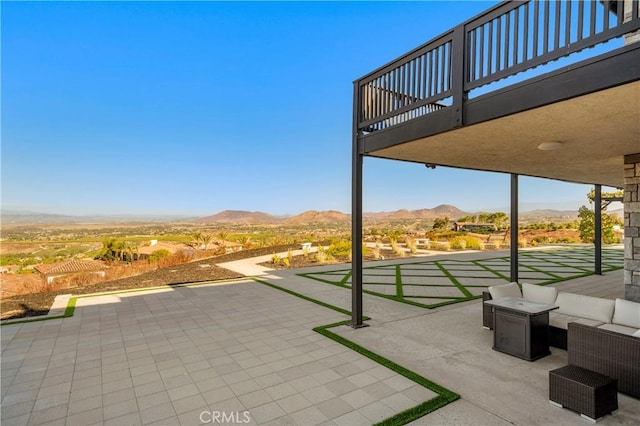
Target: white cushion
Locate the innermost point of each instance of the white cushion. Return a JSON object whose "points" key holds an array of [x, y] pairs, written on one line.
{"points": [[627, 313], [505, 290], [636, 334], [562, 321], [623, 329], [589, 307], [538, 294]]}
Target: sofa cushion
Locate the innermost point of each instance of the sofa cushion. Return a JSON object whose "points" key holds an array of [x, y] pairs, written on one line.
{"points": [[505, 290], [588, 307], [562, 321], [627, 313], [538, 294], [619, 328]]}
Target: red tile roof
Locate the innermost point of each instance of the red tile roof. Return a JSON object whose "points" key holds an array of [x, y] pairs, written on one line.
{"points": [[70, 266]]}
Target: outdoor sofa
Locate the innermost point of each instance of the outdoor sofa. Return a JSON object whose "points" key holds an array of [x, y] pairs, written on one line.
{"points": [[600, 335]]}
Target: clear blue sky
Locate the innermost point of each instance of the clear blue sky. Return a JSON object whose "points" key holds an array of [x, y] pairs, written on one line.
{"points": [[194, 108]]}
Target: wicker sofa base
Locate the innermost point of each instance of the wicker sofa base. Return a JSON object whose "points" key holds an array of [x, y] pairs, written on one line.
{"points": [[606, 352], [587, 392]]}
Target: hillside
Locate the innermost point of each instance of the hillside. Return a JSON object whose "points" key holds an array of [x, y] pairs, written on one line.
{"points": [[239, 216], [441, 211], [313, 216]]}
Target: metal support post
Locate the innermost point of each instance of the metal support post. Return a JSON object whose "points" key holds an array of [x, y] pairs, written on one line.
{"points": [[514, 227], [597, 229], [356, 221]]}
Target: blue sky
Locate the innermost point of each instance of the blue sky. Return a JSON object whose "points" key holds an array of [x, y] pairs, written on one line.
{"points": [[194, 108]]}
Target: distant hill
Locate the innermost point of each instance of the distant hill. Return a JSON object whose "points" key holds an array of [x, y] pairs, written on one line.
{"points": [[313, 216], [22, 217], [239, 216], [19, 217], [443, 210], [28, 217]]}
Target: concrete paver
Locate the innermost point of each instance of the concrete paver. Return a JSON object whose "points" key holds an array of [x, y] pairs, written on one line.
{"points": [[172, 356]]}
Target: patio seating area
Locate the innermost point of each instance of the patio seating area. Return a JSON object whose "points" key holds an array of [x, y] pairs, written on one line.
{"points": [[181, 355]]}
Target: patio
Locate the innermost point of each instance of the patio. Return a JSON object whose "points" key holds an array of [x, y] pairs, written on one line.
{"points": [[178, 356]]}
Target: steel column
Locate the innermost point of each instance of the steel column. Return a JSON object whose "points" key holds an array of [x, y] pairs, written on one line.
{"points": [[514, 227], [356, 220], [597, 229]]}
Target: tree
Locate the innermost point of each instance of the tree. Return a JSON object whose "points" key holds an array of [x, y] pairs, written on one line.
{"points": [[587, 226], [440, 224], [112, 250], [206, 240]]}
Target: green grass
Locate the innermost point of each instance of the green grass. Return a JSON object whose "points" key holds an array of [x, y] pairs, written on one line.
{"points": [[612, 259], [444, 395]]}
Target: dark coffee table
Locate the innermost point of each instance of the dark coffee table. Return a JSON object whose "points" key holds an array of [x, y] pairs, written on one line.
{"points": [[521, 328]]}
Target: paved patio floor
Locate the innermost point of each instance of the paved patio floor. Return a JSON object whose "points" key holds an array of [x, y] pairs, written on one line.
{"points": [[247, 351]]}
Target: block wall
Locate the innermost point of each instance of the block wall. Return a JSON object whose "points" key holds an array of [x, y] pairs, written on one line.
{"points": [[632, 227]]}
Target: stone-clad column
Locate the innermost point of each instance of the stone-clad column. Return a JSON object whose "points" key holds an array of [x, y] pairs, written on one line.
{"points": [[632, 227]]}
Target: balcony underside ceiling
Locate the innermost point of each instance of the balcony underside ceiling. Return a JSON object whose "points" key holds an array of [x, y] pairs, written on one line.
{"points": [[596, 131]]}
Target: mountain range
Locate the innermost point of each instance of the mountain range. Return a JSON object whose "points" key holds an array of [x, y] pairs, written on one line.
{"points": [[258, 218]]}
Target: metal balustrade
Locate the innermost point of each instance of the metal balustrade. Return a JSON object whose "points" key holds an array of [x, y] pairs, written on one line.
{"points": [[508, 39]]}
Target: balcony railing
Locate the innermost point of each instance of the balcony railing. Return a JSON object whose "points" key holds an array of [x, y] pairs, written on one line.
{"points": [[508, 39]]}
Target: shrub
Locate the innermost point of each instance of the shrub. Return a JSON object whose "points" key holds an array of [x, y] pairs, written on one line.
{"points": [[466, 242], [321, 255], [275, 259], [286, 262], [156, 255], [413, 246], [341, 248]]}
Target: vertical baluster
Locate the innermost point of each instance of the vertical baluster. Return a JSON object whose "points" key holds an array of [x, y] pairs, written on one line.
{"points": [[507, 38], [442, 68], [471, 47], [405, 84], [436, 70], [634, 10], [420, 77], [516, 35], [536, 25], [490, 49], [482, 54], [592, 18], [447, 47], [556, 31], [545, 27], [380, 97], [429, 73], [620, 14], [412, 81], [605, 24], [580, 19], [498, 43], [387, 106], [567, 24], [525, 33], [374, 93]]}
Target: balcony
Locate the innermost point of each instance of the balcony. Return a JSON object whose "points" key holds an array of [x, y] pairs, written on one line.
{"points": [[538, 88], [487, 93]]}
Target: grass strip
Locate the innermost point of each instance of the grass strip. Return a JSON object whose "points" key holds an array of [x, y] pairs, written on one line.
{"points": [[303, 297], [399, 293], [454, 280], [444, 397]]}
